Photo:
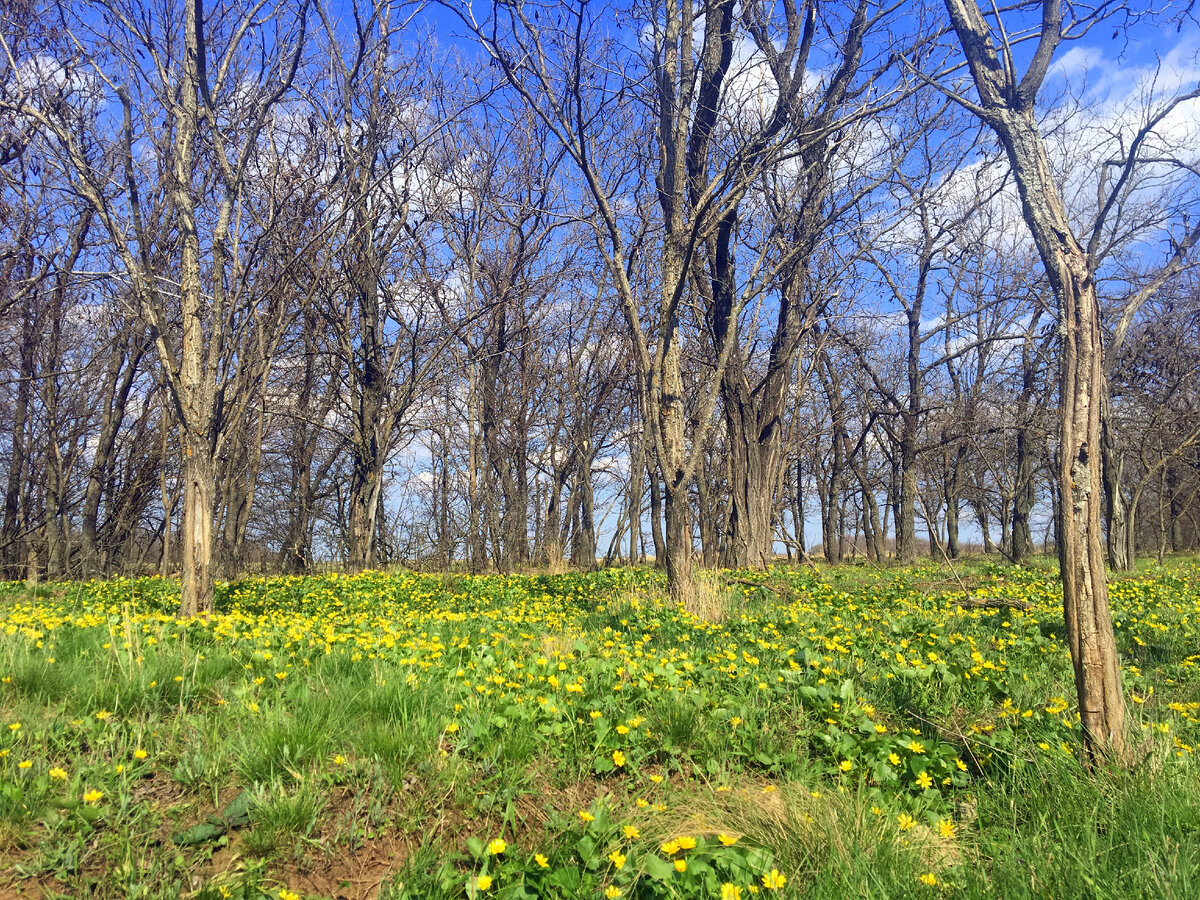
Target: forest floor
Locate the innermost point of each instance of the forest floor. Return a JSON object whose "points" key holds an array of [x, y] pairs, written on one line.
{"points": [[850, 733]]}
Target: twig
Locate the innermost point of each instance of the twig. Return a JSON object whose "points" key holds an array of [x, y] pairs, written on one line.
{"points": [[749, 583]]}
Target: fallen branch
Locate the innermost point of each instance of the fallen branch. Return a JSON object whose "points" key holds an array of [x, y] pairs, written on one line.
{"points": [[757, 584], [993, 603]]}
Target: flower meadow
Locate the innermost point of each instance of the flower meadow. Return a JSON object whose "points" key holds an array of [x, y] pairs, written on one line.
{"points": [[852, 732]]}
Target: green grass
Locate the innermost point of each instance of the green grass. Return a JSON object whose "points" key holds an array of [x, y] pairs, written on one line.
{"points": [[855, 732]]}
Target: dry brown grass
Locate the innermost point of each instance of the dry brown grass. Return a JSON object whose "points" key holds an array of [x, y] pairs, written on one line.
{"points": [[714, 599], [807, 831]]}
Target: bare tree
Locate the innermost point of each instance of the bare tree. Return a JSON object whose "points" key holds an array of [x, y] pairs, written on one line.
{"points": [[189, 70], [1006, 100]]}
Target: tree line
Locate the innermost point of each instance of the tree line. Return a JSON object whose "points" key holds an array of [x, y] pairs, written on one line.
{"points": [[519, 284]]}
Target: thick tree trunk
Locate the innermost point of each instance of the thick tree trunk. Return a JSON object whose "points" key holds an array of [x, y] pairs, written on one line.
{"points": [[754, 465], [1008, 108], [672, 420], [196, 534], [365, 488], [1081, 391], [680, 577], [196, 390], [1081, 548]]}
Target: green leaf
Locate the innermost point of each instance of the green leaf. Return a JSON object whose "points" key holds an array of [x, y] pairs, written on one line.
{"points": [[847, 690], [198, 834], [586, 847], [658, 868], [89, 814], [238, 811]]}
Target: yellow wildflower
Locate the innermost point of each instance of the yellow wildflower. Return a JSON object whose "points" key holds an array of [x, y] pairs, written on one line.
{"points": [[774, 880]]}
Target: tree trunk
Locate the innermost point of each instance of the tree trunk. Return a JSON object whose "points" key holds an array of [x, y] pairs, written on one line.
{"points": [[634, 505], [906, 508], [1118, 518], [196, 534], [365, 488], [798, 509], [952, 501], [12, 533], [1023, 483], [657, 516], [552, 540], [706, 516], [196, 400], [583, 551], [119, 377], [981, 517], [1009, 109], [754, 463], [1081, 549], [678, 539], [296, 551]]}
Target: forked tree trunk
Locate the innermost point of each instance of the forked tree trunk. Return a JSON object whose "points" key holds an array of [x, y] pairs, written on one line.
{"points": [[1008, 107]]}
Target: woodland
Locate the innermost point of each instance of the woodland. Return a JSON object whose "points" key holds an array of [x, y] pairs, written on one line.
{"points": [[300, 287]]}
